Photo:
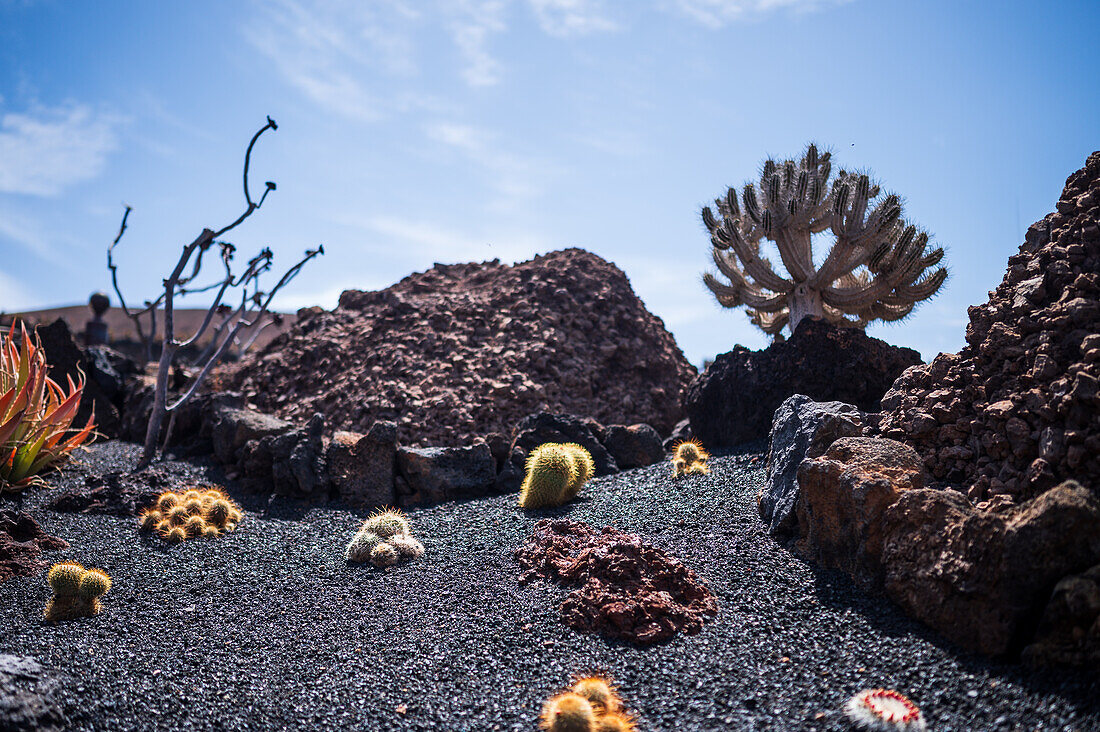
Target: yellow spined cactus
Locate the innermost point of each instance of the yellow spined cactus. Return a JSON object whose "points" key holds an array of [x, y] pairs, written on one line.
{"points": [[76, 591], [177, 517], [551, 470]]}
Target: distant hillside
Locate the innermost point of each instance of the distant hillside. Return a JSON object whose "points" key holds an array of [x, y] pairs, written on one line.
{"points": [[121, 328]]}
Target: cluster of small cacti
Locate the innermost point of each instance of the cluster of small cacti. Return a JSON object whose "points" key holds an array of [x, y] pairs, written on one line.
{"points": [[884, 710], [384, 539], [177, 517], [689, 457], [76, 591], [555, 474], [592, 705]]}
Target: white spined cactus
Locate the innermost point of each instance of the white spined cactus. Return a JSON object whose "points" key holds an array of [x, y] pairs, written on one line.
{"points": [[879, 266]]}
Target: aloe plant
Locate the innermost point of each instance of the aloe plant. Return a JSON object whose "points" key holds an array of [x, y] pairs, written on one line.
{"points": [[35, 413], [879, 266]]}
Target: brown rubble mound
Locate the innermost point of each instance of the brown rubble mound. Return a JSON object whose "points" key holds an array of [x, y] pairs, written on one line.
{"points": [[464, 350], [22, 542], [627, 589], [1017, 411]]}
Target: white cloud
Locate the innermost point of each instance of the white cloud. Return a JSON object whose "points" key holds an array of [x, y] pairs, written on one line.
{"points": [[565, 18], [43, 151], [514, 177], [471, 24], [718, 13]]}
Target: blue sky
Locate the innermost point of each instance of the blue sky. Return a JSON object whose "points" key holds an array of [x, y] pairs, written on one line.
{"points": [[413, 132]]}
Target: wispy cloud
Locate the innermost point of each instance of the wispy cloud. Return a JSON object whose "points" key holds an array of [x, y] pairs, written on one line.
{"points": [[719, 13], [45, 150], [471, 24], [515, 177], [564, 18]]}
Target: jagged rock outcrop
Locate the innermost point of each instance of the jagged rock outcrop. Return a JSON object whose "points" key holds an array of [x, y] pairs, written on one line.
{"points": [[464, 350], [733, 401], [22, 542], [1017, 411]]}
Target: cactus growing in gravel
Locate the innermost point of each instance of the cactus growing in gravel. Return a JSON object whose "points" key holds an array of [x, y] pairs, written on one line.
{"points": [[568, 712], [879, 266], [614, 722], [689, 457], [76, 591], [599, 692], [206, 513], [585, 469], [884, 710], [384, 539], [551, 470]]}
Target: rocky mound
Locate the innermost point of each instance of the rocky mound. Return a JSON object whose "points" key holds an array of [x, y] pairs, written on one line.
{"points": [[464, 350], [1017, 411], [626, 589], [22, 542], [733, 401]]}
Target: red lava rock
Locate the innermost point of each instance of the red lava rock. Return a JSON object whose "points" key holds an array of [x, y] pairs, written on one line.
{"points": [[22, 540], [464, 350], [1017, 411], [628, 589]]}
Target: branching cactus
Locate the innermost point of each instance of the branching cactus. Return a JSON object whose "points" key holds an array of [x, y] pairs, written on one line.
{"points": [[880, 266]]}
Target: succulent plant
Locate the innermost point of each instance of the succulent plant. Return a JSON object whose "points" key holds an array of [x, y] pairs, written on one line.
{"points": [[884, 710], [614, 722], [35, 413], [387, 523], [64, 578], [193, 505], [361, 545], [167, 501], [599, 693], [407, 546], [150, 518], [175, 535], [879, 266], [568, 712], [383, 555], [76, 591], [551, 470], [218, 512], [585, 469], [689, 456], [195, 526], [211, 532]]}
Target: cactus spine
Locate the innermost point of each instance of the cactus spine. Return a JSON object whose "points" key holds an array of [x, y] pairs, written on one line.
{"points": [[879, 266]]}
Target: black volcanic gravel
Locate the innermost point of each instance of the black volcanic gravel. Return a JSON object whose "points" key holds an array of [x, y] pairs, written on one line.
{"points": [[269, 628]]}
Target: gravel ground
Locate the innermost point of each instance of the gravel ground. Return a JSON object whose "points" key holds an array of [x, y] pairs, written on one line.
{"points": [[268, 628]]}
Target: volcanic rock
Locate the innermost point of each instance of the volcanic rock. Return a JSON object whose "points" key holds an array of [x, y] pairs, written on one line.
{"points": [[290, 463], [436, 474], [982, 578], [627, 588], [1017, 410], [28, 697], [22, 542], [361, 467], [116, 493], [463, 350], [633, 446], [734, 400], [105, 372], [1069, 633], [801, 428], [842, 498], [233, 428], [536, 429]]}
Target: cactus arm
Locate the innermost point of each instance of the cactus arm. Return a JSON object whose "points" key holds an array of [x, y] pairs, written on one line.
{"points": [[925, 288], [743, 294], [753, 264], [770, 323], [794, 250]]}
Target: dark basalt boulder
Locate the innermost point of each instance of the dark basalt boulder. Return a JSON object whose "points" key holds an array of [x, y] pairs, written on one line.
{"points": [[537, 429], [733, 401]]}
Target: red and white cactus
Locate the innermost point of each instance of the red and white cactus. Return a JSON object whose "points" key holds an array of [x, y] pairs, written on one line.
{"points": [[884, 710]]}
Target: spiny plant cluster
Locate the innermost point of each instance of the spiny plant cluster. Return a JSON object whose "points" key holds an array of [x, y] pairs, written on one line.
{"points": [[384, 539], [689, 457], [884, 710], [555, 474], [35, 413], [592, 705], [177, 517], [76, 591], [879, 266]]}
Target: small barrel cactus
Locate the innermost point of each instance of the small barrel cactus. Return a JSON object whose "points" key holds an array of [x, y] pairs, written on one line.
{"points": [[206, 513], [383, 555], [585, 469], [689, 457], [568, 712], [361, 546], [407, 546], [167, 501], [551, 470], [884, 710], [76, 591], [390, 522], [614, 722], [195, 525], [599, 692]]}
